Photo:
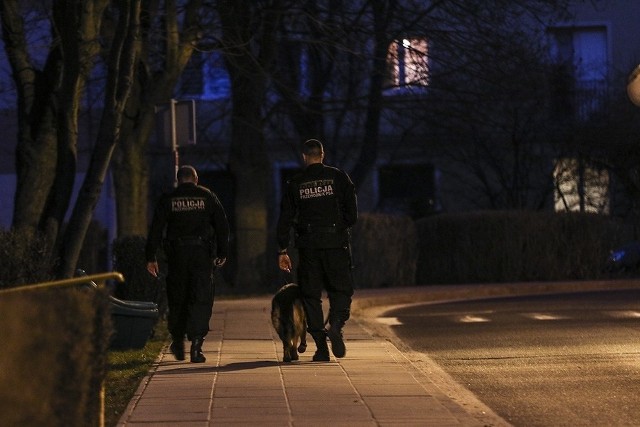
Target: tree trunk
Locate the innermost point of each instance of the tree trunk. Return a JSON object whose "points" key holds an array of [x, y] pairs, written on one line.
{"points": [[121, 65], [76, 25], [131, 182], [250, 166], [35, 167], [369, 153], [248, 57], [36, 147], [130, 167]]}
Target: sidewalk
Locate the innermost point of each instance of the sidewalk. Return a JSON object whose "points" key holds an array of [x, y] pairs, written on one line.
{"points": [[244, 382]]}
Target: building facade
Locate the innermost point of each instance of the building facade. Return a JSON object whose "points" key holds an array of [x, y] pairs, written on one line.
{"points": [[485, 137]]}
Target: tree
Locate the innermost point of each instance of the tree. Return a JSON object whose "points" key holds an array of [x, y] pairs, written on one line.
{"points": [[335, 93], [497, 102], [609, 142], [345, 41], [487, 106], [248, 44], [49, 100], [37, 118], [121, 62], [325, 78], [170, 34]]}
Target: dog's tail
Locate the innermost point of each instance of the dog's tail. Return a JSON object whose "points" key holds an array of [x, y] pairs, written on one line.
{"points": [[275, 316]]}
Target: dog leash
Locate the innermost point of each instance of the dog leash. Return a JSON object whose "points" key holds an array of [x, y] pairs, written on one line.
{"points": [[287, 277]]}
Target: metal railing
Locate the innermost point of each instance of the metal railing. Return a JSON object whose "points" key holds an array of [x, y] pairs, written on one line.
{"points": [[97, 278]]}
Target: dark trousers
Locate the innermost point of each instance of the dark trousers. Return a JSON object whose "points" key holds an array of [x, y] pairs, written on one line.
{"points": [[328, 269], [190, 291]]}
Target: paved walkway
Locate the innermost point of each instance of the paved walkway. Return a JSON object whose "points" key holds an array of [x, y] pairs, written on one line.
{"points": [[244, 381]]}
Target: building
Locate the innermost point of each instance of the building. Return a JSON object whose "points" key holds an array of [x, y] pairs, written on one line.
{"points": [[420, 167]]}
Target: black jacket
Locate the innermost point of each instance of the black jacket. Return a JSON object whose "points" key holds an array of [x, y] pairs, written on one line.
{"points": [[189, 211], [320, 205]]}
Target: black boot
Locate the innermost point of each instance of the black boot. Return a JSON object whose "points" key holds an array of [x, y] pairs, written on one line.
{"points": [[196, 351], [335, 336], [177, 348], [322, 349]]}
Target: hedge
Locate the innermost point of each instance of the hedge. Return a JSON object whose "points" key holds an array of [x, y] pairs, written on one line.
{"points": [[487, 247]]}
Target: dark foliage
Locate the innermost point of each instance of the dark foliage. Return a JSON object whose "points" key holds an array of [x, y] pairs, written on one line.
{"points": [[54, 373], [384, 251], [23, 259], [510, 246], [139, 285]]}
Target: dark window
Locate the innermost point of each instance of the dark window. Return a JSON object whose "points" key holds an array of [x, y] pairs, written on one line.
{"points": [[579, 79]]}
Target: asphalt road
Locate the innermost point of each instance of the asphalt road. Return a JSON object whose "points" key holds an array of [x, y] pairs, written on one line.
{"points": [[558, 360]]}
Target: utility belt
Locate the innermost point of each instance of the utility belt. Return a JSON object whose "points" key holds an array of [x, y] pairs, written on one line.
{"points": [[189, 241], [308, 229]]}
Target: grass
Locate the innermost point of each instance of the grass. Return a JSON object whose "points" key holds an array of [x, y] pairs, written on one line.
{"points": [[126, 370]]}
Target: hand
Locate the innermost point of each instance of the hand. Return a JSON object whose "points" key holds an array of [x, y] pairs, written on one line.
{"points": [[284, 262], [219, 262], [152, 268]]}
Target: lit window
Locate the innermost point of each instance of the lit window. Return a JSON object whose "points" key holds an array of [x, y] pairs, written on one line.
{"points": [[580, 188], [407, 62]]}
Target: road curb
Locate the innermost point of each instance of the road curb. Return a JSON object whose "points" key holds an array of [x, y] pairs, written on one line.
{"points": [[365, 299]]}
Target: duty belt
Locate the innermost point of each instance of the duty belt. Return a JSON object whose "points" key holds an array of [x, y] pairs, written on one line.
{"points": [[317, 229], [190, 241]]}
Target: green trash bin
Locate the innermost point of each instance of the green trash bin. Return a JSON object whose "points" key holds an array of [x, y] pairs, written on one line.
{"points": [[133, 321]]}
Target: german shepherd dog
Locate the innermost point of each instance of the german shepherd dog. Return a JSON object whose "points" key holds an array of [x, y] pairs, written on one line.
{"points": [[289, 320]]}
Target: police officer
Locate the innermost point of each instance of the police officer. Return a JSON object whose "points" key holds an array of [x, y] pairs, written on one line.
{"points": [[195, 229], [320, 205]]}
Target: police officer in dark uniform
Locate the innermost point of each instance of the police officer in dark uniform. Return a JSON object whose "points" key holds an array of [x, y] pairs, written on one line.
{"points": [[320, 205], [193, 226]]}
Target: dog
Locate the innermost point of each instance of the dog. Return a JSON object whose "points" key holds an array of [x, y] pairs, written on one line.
{"points": [[289, 320]]}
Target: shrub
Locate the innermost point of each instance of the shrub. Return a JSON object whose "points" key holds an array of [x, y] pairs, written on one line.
{"points": [[58, 360], [515, 246], [384, 251], [23, 259]]}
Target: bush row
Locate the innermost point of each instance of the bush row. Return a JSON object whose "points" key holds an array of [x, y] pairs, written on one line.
{"points": [[384, 253], [485, 247], [392, 251], [23, 259], [385, 249], [55, 357]]}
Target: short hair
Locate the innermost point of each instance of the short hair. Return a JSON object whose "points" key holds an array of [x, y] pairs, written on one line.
{"points": [[312, 148], [187, 173]]}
